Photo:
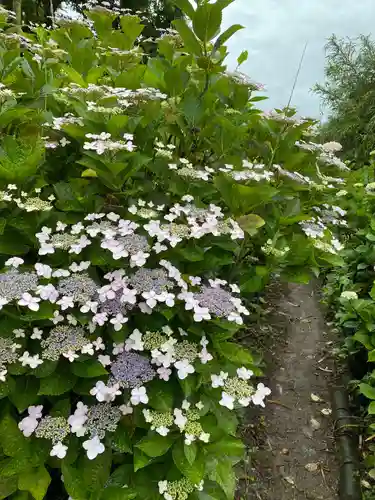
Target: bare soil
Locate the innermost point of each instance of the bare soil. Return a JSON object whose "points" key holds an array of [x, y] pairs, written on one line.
{"points": [[292, 451]]}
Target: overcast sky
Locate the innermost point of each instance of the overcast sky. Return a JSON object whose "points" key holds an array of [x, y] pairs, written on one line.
{"points": [[275, 34]]}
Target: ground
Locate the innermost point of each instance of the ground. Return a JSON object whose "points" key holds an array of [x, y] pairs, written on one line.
{"points": [[292, 451]]}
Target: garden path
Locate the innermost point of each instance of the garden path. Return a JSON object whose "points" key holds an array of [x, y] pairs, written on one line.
{"points": [[295, 456]]}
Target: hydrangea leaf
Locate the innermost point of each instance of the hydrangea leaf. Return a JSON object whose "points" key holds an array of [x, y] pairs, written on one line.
{"points": [[193, 471], [12, 440], [36, 481], [8, 485], [25, 393], [88, 369], [155, 445], [57, 383]]}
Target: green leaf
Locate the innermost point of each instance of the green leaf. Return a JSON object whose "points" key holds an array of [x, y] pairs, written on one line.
{"points": [[131, 29], [25, 393], [367, 390], [371, 408], [372, 292], [73, 75], [7, 387], [161, 395], [226, 35], [45, 369], [192, 253], [155, 445], [185, 7], [242, 57], [235, 353], [121, 440], [12, 440], [36, 481], [73, 482], [8, 485], [250, 223], [194, 471], [57, 383], [228, 446], [140, 460], [191, 42], [95, 473], [88, 369], [190, 452], [207, 21], [118, 493], [223, 474], [371, 356]]}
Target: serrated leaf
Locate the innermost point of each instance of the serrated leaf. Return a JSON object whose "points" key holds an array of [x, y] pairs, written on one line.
{"points": [[190, 451], [8, 485], [223, 475], [235, 353], [121, 440], [25, 393], [193, 471], [36, 481], [140, 460], [57, 383], [155, 445], [12, 440], [88, 369], [250, 223]]}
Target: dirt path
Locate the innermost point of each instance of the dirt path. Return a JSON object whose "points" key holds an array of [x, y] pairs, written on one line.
{"points": [[295, 459]]}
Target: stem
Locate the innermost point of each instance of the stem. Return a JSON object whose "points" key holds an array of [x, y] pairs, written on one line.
{"points": [[17, 7]]}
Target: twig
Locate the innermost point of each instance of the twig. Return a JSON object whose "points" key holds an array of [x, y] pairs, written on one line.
{"points": [[279, 403]]}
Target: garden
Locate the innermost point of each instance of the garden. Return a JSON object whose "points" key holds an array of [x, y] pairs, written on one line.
{"points": [[146, 206]]}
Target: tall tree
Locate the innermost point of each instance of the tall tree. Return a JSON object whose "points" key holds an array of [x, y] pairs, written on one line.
{"points": [[349, 93]]}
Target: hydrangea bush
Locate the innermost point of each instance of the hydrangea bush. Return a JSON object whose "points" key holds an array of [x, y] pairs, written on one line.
{"points": [[143, 202]]}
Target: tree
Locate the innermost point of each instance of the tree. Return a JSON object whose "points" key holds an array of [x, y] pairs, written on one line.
{"points": [[349, 93]]}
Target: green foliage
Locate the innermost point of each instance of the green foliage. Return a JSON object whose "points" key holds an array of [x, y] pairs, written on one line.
{"points": [[349, 94], [114, 150]]}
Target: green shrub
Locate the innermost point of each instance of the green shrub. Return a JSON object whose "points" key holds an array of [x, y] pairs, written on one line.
{"points": [[160, 194]]}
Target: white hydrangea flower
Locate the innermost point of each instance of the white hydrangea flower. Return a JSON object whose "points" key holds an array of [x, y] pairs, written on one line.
{"points": [[70, 355], [134, 341], [201, 313], [93, 447], [3, 374], [3, 302], [105, 393], [59, 450], [29, 301], [260, 394], [31, 361], [244, 374], [139, 259], [126, 409], [138, 395], [48, 292], [164, 373], [227, 400], [118, 321], [104, 359], [218, 380], [37, 334], [65, 302], [43, 270], [14, 262], [179, 419], [184, 368], [348, 295]]}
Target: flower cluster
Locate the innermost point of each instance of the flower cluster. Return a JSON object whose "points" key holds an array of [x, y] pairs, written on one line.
{"points": [[237, 389], [102, 143], [178, 490]]}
